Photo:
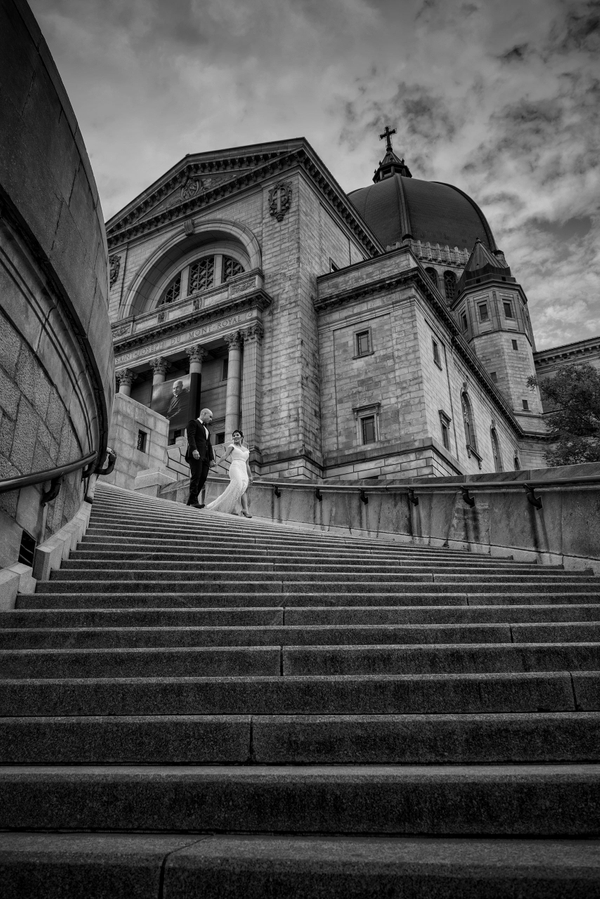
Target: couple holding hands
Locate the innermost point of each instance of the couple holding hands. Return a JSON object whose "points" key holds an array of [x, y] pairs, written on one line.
{"points": [[200, 457]]}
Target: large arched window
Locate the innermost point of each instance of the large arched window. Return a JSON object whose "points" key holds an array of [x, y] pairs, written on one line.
{"points": [[450, 285], [200, 274], [497, 455], [467, 412], [432, 276]]}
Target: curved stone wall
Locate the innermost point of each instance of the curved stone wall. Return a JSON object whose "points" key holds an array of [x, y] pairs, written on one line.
{"points": [[56, 359]]}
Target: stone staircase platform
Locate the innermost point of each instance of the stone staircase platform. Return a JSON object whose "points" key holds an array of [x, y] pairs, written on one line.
{"points": [[202, 705]]}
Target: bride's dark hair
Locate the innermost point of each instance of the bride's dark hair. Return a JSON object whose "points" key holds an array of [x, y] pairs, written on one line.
{"points": [[237, 431]]}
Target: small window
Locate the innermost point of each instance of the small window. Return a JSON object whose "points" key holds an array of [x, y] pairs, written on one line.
{"points": [[332, 266], [173, 435], [368, 429], [445, 426], [26, 549], [225, 369], [515, 345], [220, 438], [494, 377], [450, 285], [508, 309], [464, 321], [363, 343], [525, 406], [367, 423], [516, 463], [484, 315], [141, 441], [436, 353]]}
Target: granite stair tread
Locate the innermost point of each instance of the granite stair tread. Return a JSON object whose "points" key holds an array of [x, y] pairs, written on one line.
{"points": [[340, 867]]}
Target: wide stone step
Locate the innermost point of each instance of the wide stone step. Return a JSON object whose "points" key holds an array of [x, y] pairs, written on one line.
{"points": [[217, 866], [356, 568], [278, 615], [290, 635], [106, 552], [437, 800], [299, 660], [256, 866], [57, 598], [357, 695]]}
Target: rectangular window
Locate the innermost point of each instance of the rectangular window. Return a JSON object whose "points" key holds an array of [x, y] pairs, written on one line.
{"points": [[484, 315], [436, 353], [525, 406], [368, 429], [494, 376], [220, 438], [445, 426], [332, 266], [225, 369], [464, 322], [515, 345], [141, 441], [508, 309], [363, 343]]}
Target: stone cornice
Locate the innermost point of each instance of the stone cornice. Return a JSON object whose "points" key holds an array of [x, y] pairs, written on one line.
{"points": [[568, 350], [259, 299], [263, 168], [418, 277]]}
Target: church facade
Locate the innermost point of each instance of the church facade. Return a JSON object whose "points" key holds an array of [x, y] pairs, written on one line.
{"points": [[379, 334]]}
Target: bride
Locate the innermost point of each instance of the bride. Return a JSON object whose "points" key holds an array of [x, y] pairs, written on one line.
{"points": [[240, 477]]}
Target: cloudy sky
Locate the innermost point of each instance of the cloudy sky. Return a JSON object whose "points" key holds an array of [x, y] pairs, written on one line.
{"points": [[500, 99]]}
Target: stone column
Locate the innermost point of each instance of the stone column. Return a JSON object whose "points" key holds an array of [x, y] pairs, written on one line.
{"points": [[252, 386], [159, 367], [196, 354], [125, 377], [234, 383]]}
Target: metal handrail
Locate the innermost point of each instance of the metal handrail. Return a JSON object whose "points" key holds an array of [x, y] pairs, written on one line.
{"points": [[435, 484], [55, 475], [464, 487]]}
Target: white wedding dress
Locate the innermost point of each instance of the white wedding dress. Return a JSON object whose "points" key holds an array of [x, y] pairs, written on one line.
{"points": [[238, 482]]}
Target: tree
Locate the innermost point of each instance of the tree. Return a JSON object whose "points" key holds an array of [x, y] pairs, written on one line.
{"points": [[572, 402]]}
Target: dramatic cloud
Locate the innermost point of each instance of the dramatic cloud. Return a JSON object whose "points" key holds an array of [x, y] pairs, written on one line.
{"points": [[499, 99]]}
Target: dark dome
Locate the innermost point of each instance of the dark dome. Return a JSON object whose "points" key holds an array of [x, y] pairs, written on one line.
{"points": [[400, 206]]}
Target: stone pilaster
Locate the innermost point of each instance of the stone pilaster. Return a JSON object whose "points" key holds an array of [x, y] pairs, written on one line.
{"points": [[252, 386], [234, 383]]}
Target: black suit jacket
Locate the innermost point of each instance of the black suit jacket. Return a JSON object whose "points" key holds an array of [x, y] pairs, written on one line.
{"points": [[197, 440]]}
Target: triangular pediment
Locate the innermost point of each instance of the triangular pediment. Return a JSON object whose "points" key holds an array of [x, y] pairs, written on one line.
{"points": [[195, 180]]}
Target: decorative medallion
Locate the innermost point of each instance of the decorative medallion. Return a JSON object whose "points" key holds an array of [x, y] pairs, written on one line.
{"points": [[115, 264], [280, 199], [191, 188]]}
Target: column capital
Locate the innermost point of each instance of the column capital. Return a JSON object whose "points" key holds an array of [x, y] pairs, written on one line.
{"points": [[159, 365], [197, 353], [233, 341], [253, 332], [125, 377]]}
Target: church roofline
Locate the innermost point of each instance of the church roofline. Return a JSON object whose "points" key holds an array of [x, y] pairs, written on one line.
{"points": [[292, 153]]}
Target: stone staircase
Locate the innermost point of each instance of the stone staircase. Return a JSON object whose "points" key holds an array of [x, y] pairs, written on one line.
{"points": [[200, 705]]}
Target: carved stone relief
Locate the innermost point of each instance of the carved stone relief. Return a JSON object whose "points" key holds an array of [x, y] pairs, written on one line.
{"points": [[280, 199]]}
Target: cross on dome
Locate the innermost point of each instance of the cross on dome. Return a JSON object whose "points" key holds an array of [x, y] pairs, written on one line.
{"points": [[387, 134]]}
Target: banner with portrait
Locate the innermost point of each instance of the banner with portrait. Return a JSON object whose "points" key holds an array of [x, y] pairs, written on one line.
{"points": [[171, 399]]}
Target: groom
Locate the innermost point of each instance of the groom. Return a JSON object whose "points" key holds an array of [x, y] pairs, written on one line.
{"points": [[199, 455]]}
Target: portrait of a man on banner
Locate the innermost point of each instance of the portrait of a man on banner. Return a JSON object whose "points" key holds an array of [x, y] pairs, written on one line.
{"points": [[171, 399]]}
